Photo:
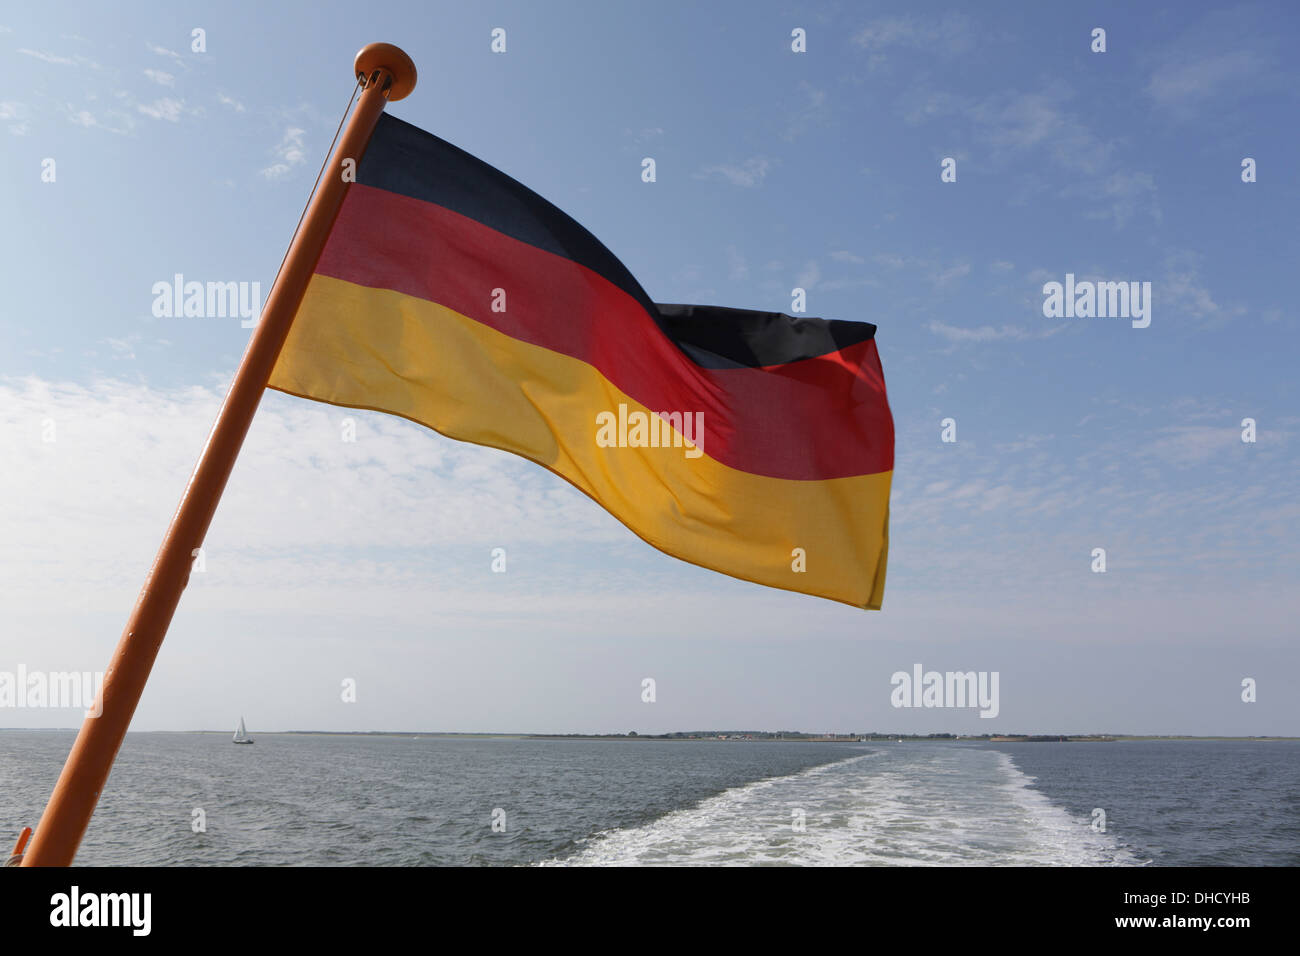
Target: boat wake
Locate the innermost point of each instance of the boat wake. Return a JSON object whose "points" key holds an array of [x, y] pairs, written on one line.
{"points": [[922, 805]]}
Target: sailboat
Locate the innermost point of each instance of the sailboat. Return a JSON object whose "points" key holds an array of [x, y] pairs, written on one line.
{"points": [[241, 735]]}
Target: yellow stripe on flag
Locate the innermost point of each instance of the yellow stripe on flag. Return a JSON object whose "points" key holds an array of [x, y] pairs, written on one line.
{"points": [[377, 349]]}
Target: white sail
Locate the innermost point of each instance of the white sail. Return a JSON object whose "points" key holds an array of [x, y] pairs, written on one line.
{"points": [[241, 734]]}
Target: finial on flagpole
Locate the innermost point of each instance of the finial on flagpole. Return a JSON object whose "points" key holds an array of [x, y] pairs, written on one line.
{"points": [[392, 60]]}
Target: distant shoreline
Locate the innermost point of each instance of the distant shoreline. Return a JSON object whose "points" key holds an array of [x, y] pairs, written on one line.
{"points": [[723, 736]]}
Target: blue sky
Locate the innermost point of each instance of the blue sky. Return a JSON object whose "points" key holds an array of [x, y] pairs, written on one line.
{"points": [[775, 169]]}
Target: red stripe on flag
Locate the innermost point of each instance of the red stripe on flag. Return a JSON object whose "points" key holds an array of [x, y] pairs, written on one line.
{"points": [[824, 417]]}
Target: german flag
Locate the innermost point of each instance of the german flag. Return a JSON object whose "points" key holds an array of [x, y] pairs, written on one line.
{"points": [[756, 444]]}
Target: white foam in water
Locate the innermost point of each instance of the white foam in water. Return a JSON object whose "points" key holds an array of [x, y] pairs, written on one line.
{"points": [[910, 805]]}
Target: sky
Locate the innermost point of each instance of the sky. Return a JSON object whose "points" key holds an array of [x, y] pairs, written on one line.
{"points": [[370, 561]]}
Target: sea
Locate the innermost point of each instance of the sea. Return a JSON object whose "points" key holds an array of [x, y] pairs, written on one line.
{"points": [[194, 799]]}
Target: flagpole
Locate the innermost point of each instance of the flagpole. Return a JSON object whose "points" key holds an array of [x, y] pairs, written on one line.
{"points": [[387, 74]]}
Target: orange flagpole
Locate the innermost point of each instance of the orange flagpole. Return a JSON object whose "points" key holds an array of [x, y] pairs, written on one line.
{"points": [[387, 74]]}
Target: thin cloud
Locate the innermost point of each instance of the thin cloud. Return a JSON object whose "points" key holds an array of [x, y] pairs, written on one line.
{"points": [[289, 154], [88, 120], [294, 470], [163, 51], [1194, 444], [1184, 84], [809, 276], [641, 137], [948, 276], [15, 114], [1013, 124], [167, 108], [988, 333], [123, 348], [748, 174], [1182, 293], [952, 33], [49, 57], [1221, 58], [809, 111]]}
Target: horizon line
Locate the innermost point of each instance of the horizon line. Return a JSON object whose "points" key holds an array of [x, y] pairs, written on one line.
{"points": [[709, 734]]}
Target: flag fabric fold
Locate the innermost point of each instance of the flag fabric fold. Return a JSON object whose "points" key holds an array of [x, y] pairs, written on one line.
{"points": [[755, 444]]}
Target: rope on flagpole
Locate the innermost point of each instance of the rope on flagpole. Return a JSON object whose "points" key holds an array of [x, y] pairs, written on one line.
{"points": [[359, 84]]}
